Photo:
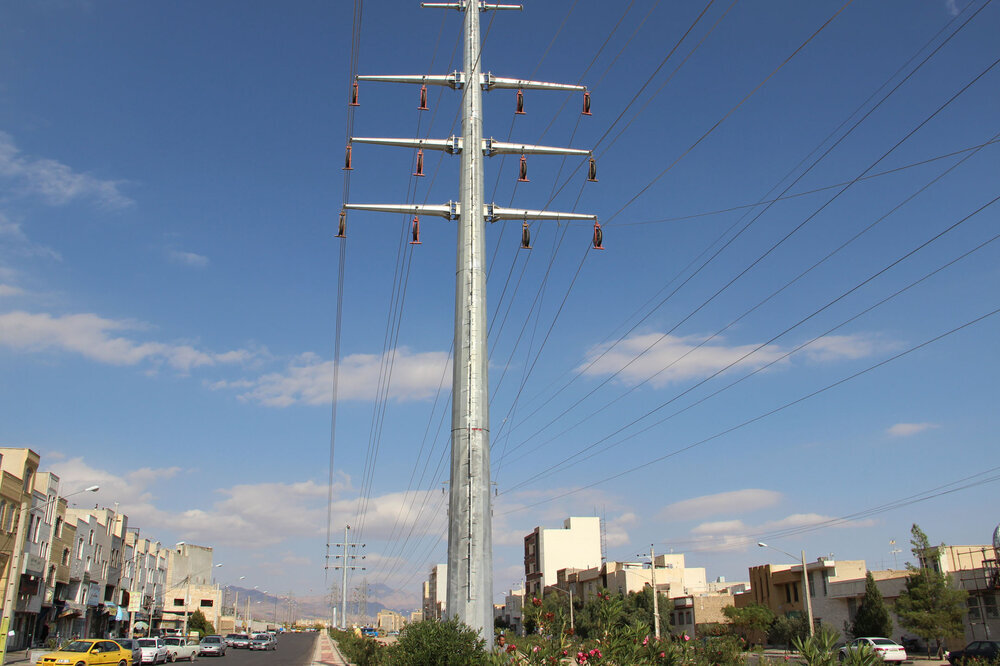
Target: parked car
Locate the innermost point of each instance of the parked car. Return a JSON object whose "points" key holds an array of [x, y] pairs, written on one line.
{"points": [[883, 647], [212, 646], [976, 650], [154, 651], [181, 648], [90, 652], [262, 641], [229, 639], [240, 641], [132, 645]]}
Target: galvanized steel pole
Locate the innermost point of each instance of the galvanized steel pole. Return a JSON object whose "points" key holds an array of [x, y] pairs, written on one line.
{"points": [[470, 548]]}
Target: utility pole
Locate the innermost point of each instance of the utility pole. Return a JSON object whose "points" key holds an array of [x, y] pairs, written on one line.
{"points": [[344, 566], [470, 545], [656, 596]]}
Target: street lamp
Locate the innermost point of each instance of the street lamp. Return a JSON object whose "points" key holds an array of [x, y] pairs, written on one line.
{"points": [[14, 577], [570, 593], [805, 583]]}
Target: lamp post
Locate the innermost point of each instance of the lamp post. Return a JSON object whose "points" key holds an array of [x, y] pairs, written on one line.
{"points": [[14, 572], [805, 584], [572, 626]]}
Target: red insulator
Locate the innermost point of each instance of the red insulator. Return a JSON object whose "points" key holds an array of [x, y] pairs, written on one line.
{"points": [[525, 237], [423, 98], [420, 163], [520, 104], [347, 159], [342, 226], [354, 94], [586, 103], [522, 171], [592, 171], [598, 237], [415, 231]]}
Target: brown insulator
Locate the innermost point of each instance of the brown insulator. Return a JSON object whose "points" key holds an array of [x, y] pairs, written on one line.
{"points": [[522, 171], [415, 231], [354, 94], [520, 104], [423, 98], [592, 171], [420, 163], [586, 103]]}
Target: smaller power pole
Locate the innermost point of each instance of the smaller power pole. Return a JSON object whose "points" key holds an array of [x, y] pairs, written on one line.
{"points": [[347, 557], [656, 596]]}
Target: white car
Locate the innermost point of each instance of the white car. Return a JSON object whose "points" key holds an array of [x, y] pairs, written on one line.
{"points": [[181, 648], [154, 651], [883, 647]]}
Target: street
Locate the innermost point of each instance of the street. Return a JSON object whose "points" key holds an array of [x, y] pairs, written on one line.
{"points": [[293, 650]]}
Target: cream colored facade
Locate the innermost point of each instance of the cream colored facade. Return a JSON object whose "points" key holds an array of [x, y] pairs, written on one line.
{"points": [[389, 620], [190, 586], [673, 578], [691, 612], [779, 586], [577, 545], [435, 593]]}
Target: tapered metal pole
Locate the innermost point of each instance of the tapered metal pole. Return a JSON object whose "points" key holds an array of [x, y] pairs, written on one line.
{"points": [[656, 597], [343, 583], [470, 548]]}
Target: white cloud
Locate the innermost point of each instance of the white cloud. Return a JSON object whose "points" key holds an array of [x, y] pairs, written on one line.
{"points": [[909, 429], [666, 359], [736, 501], [737, 535], [55, 182], [188, 258], [952, 7], [309, 380], [16, 242], [7, 290], [94, 338]]}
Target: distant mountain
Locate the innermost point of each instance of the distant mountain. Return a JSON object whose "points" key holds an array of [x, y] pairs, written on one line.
{"points": [[313, 607]]}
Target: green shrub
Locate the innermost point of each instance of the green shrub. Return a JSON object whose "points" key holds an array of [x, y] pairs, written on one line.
{"points": [[438, 643]]}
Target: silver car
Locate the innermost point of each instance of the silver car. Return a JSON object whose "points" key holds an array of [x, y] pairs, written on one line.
{"points": [[133, 645], [262, 641], [212, 646]]}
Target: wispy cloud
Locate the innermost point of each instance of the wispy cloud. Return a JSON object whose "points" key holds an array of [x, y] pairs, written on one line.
{"points": [[7, 290], [909, 429], [188, 258], [96, 338], [952, 7], [737, 535], [666, 359], [16, 242], [733, 502], [56, 183], [309, 380]]}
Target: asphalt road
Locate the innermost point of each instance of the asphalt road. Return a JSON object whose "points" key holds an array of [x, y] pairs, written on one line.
{"points": [[293, 650]]}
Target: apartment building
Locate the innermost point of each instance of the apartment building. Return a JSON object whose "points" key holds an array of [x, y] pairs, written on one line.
{"points": [[511, 610], [190, 586], [147, 575], [435, 593], [690, 613], [779, 586], [17, 491], [576, 545], [389, 620]]}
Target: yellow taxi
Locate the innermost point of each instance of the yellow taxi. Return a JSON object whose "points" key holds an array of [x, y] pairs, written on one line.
{"points": [[88, 652]]}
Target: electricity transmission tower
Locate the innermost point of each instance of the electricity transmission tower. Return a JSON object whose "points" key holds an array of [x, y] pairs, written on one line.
{"points": [[470, 548], [347, 557]]}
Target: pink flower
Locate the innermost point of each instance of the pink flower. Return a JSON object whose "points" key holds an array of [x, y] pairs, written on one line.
{"points": [[581, 658], [686, 637], [595, 653], [645, 641], [535, 649], [663, 654]]}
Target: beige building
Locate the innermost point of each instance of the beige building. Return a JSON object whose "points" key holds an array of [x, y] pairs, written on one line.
{"points": [[17, 486], [190, 586], [389, 620], [673, 578], [779, 586], [435, 593], [692, 612], [576, 545]]}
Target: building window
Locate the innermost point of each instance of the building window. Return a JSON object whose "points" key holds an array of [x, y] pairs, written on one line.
{"points": [[178, 602], [79, 549], [974, 612], [812, 585], [90, 538], [59, 528], [788, 594], [990, 606], [65, 557], [824, 577], [206, 603]]}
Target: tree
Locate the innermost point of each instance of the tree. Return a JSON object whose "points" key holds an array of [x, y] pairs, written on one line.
{"points": [[929, 606], [198, 622], [873, 617], [438, 643], [784, 630], [750, 622]]}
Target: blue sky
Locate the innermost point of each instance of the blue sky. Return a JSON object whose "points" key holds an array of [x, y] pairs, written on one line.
{"points": [[170, 178]]}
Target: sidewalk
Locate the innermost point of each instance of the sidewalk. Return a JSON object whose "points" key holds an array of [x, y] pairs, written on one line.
{"points": [[17, 657], [326, 652]]}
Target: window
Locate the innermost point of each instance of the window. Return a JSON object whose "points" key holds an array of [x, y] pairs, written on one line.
{"points": [[79, 548], [812, 584], [207, 603], [178, 602], [90, 538], [974, 612], [825, 577], [59, 527], [990, 605], [65, 557]]}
